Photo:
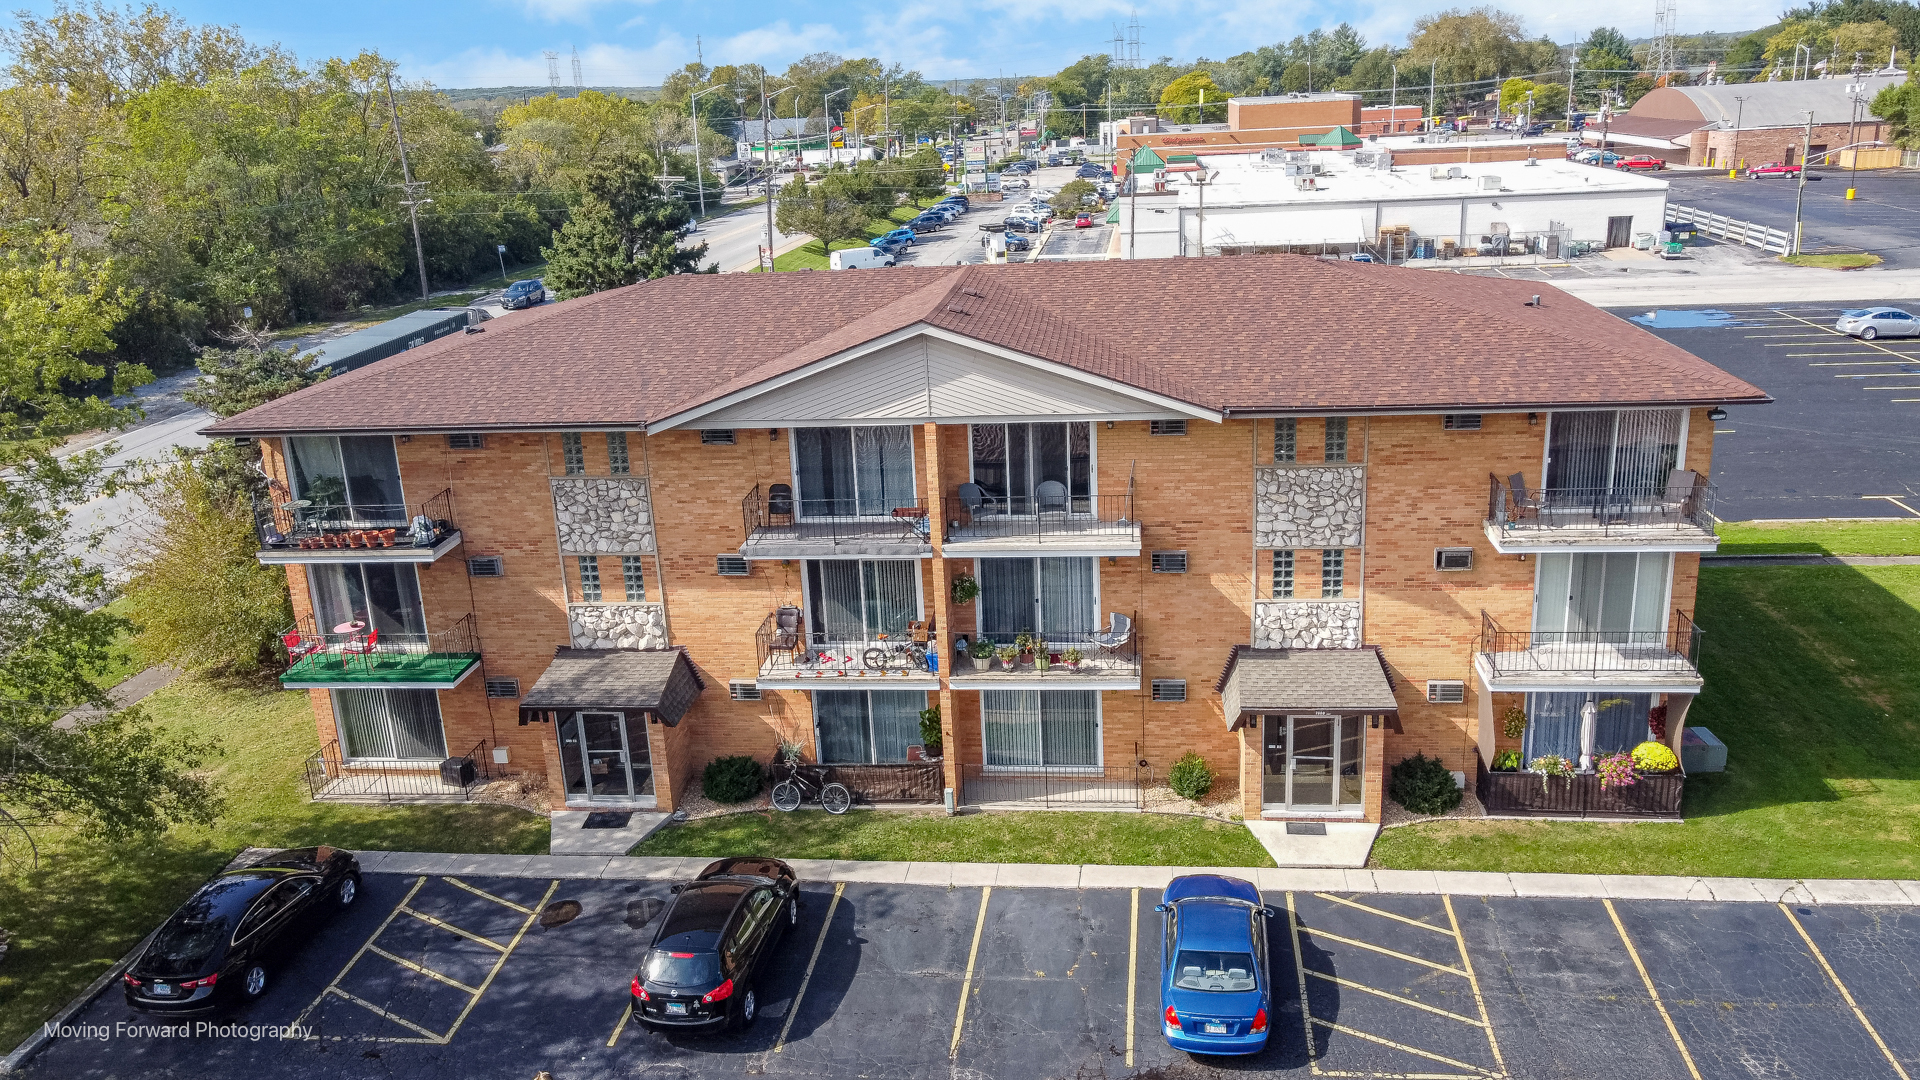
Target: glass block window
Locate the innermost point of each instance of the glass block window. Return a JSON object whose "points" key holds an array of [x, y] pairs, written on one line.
{"points": [[1336, 438], [1285, 434], [590, 579], [618, 463], [1333, 572], [634, 577], [572, 453], [1283, 575]]}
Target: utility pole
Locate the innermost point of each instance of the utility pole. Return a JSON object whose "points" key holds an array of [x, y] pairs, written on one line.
{"points": [[1573, 71], [699, 163], [1800, 193], [1733, 156], [1433, 74], [413, 201], [766, 148]]}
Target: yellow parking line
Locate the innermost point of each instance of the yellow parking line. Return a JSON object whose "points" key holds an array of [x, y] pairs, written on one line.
{"points": [[1844, 994], [966, 987], [800, 995], [428, 972], [1300, 973], [1408, 957], [447, 926], [502, 961], [485, 895], [625, 1015], [1869, 344], [1441, 930], [1377, 992], [1474, 981], [1133, 969], [1428, 1054], [301, 1020], [1651, 992], [385, 1015]]}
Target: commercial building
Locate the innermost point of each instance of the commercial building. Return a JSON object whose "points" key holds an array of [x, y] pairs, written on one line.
{"points": [[1345, 202], [1303, 518], [1727, 124]]}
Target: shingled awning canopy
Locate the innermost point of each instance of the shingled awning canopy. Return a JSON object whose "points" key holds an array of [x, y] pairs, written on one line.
{"points": [[1262, 681], [661, 682]]}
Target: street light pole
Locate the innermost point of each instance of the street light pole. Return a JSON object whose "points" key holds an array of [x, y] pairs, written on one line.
{"points": [[699, 166], [1853, 124], [766, 148], [1800, 193]]}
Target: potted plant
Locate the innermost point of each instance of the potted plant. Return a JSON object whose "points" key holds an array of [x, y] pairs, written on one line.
{"points": [[1023, 644], [981, 653], [1652, 757], [1616, 771], [1042, 660], [1551, 765], [1071, 658], [931, 738], [1506, 761], [965, 588], [1513, 722], [1007, 654]]}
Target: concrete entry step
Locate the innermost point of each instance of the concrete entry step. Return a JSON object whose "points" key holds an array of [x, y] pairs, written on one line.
{"points": [[571, 835], [1342, 844]]}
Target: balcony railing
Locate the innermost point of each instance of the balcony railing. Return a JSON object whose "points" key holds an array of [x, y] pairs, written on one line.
{"points": [[1119, 661], [1685, 505], [1023, 520], [779, 526], [367, 657], [787, 651], [333, 777], [286, 524], [1043, 787], [1652, 795], [1592, 653]]}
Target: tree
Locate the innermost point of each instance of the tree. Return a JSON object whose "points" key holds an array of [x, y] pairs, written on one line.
{"points": [[623, 231], [252, 374], [1194, 98], [57, 314], [1900, 107], [836, 207], [1068, 199], [1475, 46]]}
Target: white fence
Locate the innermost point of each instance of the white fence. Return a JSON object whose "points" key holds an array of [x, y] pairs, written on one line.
{"points": [[1722, 227]]}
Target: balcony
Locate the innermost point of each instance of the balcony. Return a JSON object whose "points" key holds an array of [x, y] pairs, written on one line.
{"points": [[1113, 666], [1530, 794], [979, 526], [1523, 520], [1646, 661], [778, 526], [307, 531], [331, 777], [340, 660], [793, 659]]}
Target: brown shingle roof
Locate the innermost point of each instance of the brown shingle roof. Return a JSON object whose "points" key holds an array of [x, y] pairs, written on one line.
{"points": [[1248, 334]]}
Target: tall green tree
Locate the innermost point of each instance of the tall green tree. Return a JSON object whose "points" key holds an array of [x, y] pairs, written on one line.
{"points": [[1469, 50], [1900, 107], [838, 206], [57, 315], [1194, 98], [624, 230]]}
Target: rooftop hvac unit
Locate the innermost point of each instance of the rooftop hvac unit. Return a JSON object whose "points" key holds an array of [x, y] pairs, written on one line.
{"points": [[1436, 172], [1489, 183], [1305, 183], [1273, 155], [1455, 172]]}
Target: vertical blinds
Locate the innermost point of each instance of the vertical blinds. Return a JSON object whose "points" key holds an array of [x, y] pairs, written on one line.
{"points": [[1611, 454], [847, 472], [1053, 598], [1035, 728]]}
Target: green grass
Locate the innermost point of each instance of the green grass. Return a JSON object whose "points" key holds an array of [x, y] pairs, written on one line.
{"points": [[1024, 837], [1895, 536], [1813, 682], [812, 255], [86, 902], [1852, 261]]}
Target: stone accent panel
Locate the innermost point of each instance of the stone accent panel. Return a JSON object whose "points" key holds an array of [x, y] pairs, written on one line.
{"points": [[1316, 507], [617, 626], [601, 515], [1297, 624]]}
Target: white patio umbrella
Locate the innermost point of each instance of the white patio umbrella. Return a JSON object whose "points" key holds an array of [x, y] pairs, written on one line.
{"points": [[1589, 715]]}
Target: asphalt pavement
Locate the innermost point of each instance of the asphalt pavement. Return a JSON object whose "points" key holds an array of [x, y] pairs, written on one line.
{"points": [[1883, 218], [431, 977]]}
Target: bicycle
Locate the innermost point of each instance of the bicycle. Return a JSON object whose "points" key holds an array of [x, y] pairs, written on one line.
{"points": [[788, 794], [904, 655]]}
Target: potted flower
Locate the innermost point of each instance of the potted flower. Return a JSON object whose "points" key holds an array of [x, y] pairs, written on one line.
{"points": [[1652, 757], [1551, 765], [965, 588], [1007, 654], [1071, 658], [981, 653], [1616, 771], [1023, 644]]}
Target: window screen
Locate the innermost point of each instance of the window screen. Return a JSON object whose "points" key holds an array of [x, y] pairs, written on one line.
{"points": [[1011, 462]]}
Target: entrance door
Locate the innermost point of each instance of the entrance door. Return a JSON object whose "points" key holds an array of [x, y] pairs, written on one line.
{"points": [[1312, 763], [1620, 231], [1310, 768], [605, 756]]}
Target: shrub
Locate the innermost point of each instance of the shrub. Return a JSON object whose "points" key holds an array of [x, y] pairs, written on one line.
{"points": [[931, 740], [1506, 761], [1190, 778], [1654, 757], [1423, 785], [731, 779]]}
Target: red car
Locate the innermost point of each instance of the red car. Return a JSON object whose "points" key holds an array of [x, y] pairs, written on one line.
{"points": [[1083, 221], [1772, 168], [1639, 162]]}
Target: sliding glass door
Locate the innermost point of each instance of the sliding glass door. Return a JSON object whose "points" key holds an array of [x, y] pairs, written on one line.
{"points": [[857, 600], [1054, 599], [854, 471], [1041, 728], [1012, 462], [1611, 455], [382, 724], [1553, 723], [380, 596], [1604, 596], [353, 479], [860, 727]]}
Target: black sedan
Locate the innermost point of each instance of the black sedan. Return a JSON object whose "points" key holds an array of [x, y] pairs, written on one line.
{"points": [[221, 946], [713, 944]]}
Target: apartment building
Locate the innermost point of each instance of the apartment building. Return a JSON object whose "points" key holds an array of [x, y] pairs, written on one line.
{"points": [[1303, 518]]}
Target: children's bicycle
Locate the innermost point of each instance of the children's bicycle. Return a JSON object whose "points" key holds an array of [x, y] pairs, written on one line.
{"points": [[797, 788]]}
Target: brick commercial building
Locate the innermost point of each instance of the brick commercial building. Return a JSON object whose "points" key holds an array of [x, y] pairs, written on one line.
{"points": [[1302, 518], [1731, 124]]}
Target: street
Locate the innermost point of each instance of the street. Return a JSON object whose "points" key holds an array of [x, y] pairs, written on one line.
{"points": [[1884, 218]]}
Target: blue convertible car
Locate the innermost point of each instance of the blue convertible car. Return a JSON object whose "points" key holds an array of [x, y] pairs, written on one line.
{"points": [[1214, 989]]}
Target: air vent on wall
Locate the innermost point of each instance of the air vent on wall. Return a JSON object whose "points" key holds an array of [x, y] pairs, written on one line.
{"points": [[1446, 691], [1166, 427], [743, 690], [486, 566], [1453, 558], [717, 437], [1169, 689], [1169, 562], [506, 688], [466, 440], [1469, 421], [730, 565]]}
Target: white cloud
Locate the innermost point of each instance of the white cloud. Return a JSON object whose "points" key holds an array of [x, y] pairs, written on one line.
{"points": [[600, 65], [776, 44]]}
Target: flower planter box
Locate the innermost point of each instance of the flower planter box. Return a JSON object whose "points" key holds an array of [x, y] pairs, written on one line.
{"points": [[1522, 794]]}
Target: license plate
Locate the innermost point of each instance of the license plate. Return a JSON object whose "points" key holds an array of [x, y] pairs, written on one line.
{"points": [[676, 1008], [1216, 1029], [162, 989]]}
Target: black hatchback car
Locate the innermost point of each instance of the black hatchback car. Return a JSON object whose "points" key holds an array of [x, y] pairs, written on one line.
{"points": [[713, 943], [221, 946], [524, 294]]}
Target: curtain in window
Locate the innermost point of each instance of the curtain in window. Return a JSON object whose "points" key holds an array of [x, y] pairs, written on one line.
{"points": [[1012, 722], [1080, 466], [840, 719], [892, 601], [401, 724], [1579, 456], [896, 722], [883, 468], [1553, 724], [1029, 728], [319, 477], [844, 472], [1597, 457], [1618, 596], [990, 461], [1011, 461], [827, 486], [339, 595], [860, 599], [1066, 599], [373, 478], [1006, 597], [1646, 448], [837, 614]]}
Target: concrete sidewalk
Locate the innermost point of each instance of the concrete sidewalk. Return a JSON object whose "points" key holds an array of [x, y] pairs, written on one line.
{"points": [[1048, 876], [1783, 285]]}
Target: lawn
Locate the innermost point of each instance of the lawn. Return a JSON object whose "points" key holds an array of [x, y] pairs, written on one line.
{"points": [[1849, 261], [86, 903], [812, 255], [1894, 536], [1813, 682], [1025, 837]]}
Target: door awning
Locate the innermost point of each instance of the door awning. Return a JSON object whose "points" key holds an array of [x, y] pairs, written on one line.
{"points": [[1257, 681], [660, 682]]}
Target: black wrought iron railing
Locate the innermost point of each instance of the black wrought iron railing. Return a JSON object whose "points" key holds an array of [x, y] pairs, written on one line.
{"points": [[1675, 650], [1099, 652], [1001, 517], [330, 775], [1052, 787], [771, 517], [785, 646], [1686, 501], [898, 782], [285, 523]]}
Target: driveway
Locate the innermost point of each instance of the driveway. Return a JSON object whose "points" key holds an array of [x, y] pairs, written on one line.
{"points": [[442, 977], [1884, 216]]}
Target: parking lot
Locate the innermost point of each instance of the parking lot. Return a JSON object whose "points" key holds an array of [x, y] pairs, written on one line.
{"points": [[433, 976], [1884, 216], [1842, 438]]}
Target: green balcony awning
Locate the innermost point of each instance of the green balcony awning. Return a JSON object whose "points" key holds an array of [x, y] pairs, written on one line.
{"points": [[394, 671]]}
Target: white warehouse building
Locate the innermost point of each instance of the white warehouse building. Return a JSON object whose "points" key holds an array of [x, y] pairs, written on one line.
{"points": [[1343, 201]]}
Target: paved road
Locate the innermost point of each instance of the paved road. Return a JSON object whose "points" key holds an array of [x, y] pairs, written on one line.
{"points": [[431, 977], [1884, 218], [1844, 428]]}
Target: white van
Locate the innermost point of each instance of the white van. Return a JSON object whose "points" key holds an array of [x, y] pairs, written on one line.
{"points": [[859, 258]]}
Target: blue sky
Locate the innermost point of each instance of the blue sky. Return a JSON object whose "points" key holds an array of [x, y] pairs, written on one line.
{"points": [[635, 42]]}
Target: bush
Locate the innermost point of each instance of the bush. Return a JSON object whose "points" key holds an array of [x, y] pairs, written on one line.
{"points": [[1423, 785], [731, 779], [932, 741], [1506, 761], [1190, 778], [1654, 757]]}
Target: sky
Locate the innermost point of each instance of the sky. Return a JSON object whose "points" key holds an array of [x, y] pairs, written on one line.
{"points": [[459, 43]]}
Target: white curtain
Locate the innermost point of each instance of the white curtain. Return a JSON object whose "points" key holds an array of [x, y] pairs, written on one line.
{"points": [[1066, 599], [1601, 456], [883, 468], [1553, 724], [1619, 596], [1053, 598]]}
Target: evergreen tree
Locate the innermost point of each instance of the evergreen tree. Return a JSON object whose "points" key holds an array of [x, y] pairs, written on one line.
{"points": [[623, 231]]}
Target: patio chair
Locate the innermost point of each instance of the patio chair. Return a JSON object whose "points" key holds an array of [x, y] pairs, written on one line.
{"points": [[1051, 496], [780, 503], [786, 630], [1118, 632], [1679, 499], [362, 647], [1524, 505], [973, 497], [298, 646]]}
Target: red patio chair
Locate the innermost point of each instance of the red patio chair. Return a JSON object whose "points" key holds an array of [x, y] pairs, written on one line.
{"points": [[362, 647]]}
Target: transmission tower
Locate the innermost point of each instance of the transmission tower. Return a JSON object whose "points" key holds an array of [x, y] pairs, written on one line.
{"points": [[1119, 46], [577, 81], [1666, 14], [553, 68], [1133, 41]]}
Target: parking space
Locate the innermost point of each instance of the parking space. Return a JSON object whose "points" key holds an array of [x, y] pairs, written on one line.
{"points": [[1842, 438], [460, 977], [1883, 217]]}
